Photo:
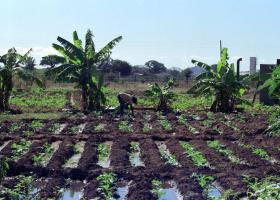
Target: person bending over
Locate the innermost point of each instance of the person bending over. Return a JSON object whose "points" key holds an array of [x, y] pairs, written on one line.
{"points": [[126, 101]]}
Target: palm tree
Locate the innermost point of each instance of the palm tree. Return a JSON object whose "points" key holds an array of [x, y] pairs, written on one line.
{"points": [[80, 64], [12, 65]]}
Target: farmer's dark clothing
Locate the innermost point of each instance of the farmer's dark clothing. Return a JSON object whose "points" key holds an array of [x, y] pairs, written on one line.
{"points": [[125, 100]]}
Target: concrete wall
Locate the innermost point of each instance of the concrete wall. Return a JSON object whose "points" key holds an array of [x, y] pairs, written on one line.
{"points": [[253, 65]]}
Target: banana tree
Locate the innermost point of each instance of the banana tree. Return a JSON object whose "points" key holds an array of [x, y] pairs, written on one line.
{"points": [[221, 84], [164, 95], [12, 65], [272, 83], [80, 65]]}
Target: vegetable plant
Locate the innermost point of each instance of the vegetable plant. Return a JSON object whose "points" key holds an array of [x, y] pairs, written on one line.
{"points": [[217, 146], [221, 84], [164, 122], [4, 167], [103, 151], [36, 125], [42, 158], [203, 180], [22, 190], [54, 127], [157, 188], [197, 157], [268, 188], [163, 95], [124, 126], [106, 184], [14, 127], [167, 156], [190, 128], [100, 128], [20, 148], [74, 130]]}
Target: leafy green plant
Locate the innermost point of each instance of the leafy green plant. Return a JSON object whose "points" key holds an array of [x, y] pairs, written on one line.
{"points": [[268, 188], [221, 84], [4, 167], [100, 128], [103, 151], [41, 158], [22, 190], [169, 158], [14, 127], [227, 121], [36, 125], [197, 157], [163, 95], [257, 151], [124, 126], [147, 127], [79, 65], [134, 146], [273, 83], [20, 148], [106, 184], [261, 153], [217, 146], [157, 188], [73, 130], [12, 65], [190, 128], [203, 180], [54, 127]]}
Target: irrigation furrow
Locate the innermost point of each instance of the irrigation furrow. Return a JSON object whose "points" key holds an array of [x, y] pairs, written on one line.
{"points": [[52, 188]]}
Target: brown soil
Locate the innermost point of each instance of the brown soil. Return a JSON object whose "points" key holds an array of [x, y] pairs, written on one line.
{"points": [[227, 174]]}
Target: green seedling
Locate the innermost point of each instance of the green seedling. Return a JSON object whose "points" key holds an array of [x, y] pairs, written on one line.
{"points": [[36, 125], [4, 167], [157, 187], [147, 127], [268, 188], [217, 146], [100, 128], [197, 157], [74, 130], [203, 180], [106, 184], [134, 146], [14, 127], [20, 148], [41, 158], [125, 127], [183, 120], [54, 127], [103, 151]]}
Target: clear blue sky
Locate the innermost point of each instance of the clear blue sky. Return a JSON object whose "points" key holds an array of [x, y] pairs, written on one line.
{"points": [[170, 31]]}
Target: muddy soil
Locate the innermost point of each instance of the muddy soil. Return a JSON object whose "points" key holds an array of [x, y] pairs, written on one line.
{"points": [[229, 175]]}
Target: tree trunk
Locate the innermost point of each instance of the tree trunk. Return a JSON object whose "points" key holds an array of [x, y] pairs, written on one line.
{"points": [[7, 95], [84, 99], [2, 105]]}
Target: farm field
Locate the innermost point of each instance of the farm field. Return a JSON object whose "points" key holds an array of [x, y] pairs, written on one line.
{"points": [[190, 153]]}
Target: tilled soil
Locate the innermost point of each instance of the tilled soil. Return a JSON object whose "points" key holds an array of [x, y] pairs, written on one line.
{"points": [[229, 175]]}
